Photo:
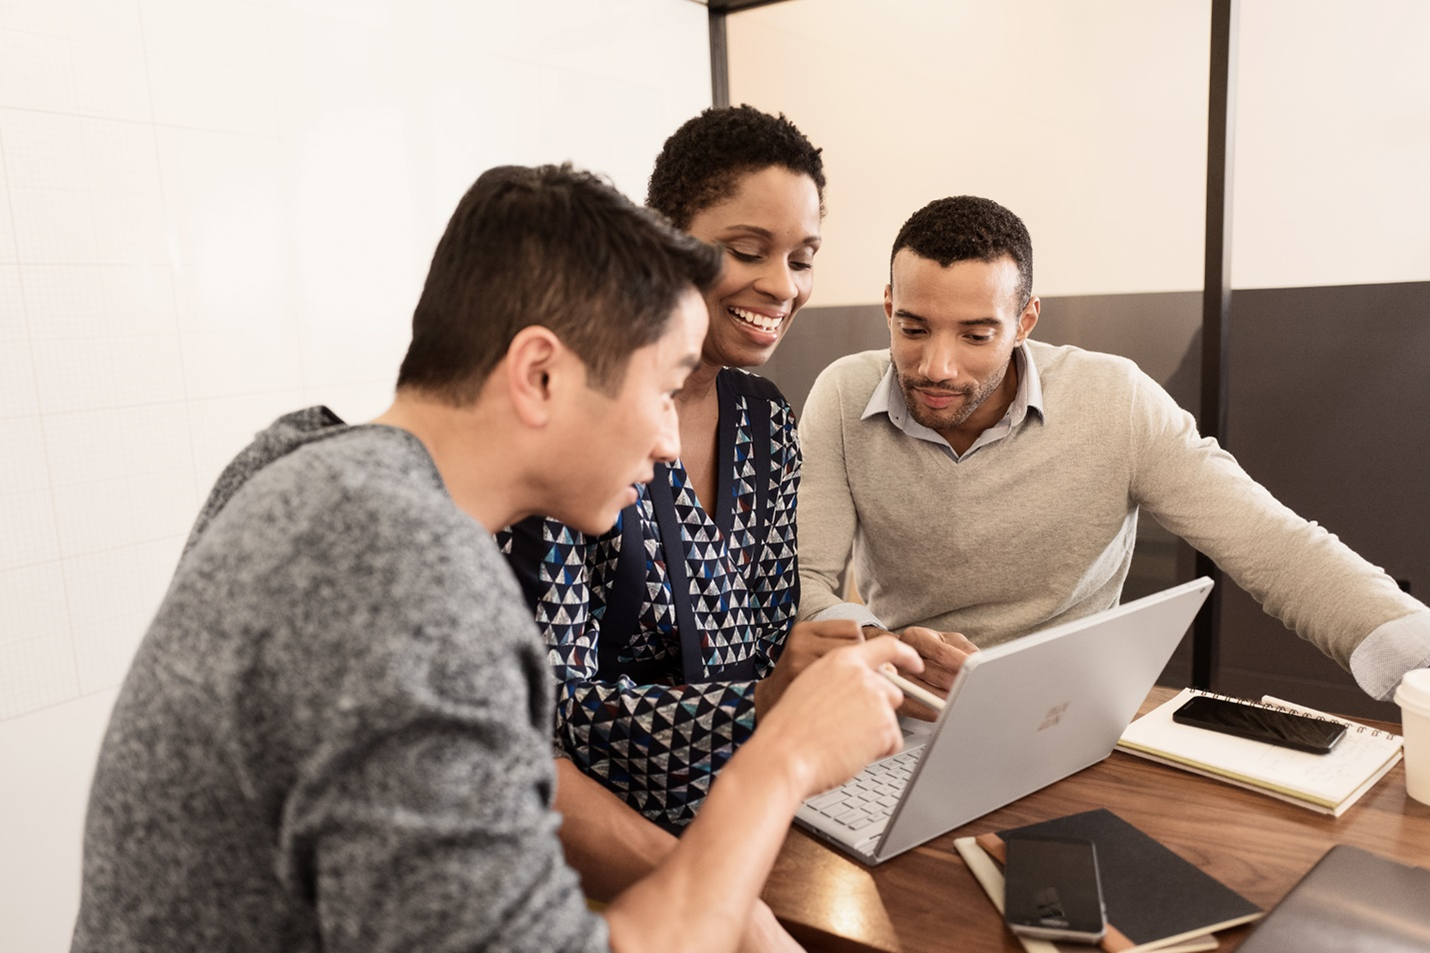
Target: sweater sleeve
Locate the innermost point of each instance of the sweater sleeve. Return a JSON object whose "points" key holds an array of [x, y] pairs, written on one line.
{"points": [[1299, 573], [428, 826], [420, 814]]}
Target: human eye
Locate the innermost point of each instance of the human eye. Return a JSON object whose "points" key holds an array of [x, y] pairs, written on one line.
{"points": [[744, 255], [912, 330]]}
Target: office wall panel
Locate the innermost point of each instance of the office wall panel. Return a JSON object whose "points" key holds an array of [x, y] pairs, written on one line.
{"points": [[1088, 118], [1329, 409], [1332, 181]]}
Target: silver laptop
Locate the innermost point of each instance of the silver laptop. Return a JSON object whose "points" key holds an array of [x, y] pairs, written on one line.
{"points": [[1020, 716]]}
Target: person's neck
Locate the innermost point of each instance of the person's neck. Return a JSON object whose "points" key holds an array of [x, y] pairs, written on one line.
{"points": [[701, 384], [483, 484], [699, 387]]}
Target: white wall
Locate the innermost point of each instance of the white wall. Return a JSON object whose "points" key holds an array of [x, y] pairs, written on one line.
{"points": [[1333, 143], [1073, 113], [1088, 118], [211, 212]]}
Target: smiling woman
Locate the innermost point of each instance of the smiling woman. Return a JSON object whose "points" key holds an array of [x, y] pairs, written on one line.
{"points": [[665, 632]]}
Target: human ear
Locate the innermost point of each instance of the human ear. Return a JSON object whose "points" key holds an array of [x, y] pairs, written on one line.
{"points": [[889, 306], [533, 359], [1028, 319]]}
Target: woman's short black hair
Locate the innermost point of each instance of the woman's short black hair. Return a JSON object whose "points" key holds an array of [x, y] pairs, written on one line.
{"points": [[702, 162]]}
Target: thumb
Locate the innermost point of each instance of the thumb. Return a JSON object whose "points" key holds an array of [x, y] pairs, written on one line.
{"points": [[877, 652]]}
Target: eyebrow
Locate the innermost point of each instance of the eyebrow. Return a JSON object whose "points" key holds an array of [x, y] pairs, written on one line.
{"points": [[969, 323], [768, 235]]}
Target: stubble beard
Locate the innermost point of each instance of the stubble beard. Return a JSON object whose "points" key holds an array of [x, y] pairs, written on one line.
{"points": [[938, 421]]}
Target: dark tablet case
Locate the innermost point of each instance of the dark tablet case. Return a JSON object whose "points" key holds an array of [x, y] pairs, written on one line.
{"points": [[1150, 892], [1352, 901]]}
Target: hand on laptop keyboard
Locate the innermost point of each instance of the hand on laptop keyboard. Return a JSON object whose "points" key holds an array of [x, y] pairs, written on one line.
{"points": [[838, 715]]}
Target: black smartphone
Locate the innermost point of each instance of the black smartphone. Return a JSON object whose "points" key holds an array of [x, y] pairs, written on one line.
{"points": [[1302, 732], [1051, 889]]}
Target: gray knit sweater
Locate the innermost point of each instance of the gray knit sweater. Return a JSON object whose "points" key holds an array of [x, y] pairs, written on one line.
{"points": [[334, 735]]}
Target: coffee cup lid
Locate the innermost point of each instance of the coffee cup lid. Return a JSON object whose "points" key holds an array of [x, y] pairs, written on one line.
{"points": [[1414, 690]]}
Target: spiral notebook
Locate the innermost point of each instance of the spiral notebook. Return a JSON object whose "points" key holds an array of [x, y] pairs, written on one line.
{"points": [[1328, 783]]}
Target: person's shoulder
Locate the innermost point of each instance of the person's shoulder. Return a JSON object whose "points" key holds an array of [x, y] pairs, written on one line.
{"points": [[370, 486], [364, 463], [1075, 366], [1069, 375]]}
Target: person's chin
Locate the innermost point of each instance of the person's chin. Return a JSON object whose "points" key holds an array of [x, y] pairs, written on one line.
{"points": [[932, 421], [748, 354], [748, 347], [599, 523]]}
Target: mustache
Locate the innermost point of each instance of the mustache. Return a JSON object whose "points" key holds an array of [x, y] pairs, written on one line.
{"points": [[936, 387]]}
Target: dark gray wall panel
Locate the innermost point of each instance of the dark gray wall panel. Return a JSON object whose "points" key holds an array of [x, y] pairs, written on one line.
{"points": [[816, 339], [1330, 410]]}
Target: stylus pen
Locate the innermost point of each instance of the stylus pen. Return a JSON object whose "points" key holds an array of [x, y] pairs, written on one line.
{"points": [[921, 695]]}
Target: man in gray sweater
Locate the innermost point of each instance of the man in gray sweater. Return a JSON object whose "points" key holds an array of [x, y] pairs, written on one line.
{"points": [[335, 734], [989, 485]]}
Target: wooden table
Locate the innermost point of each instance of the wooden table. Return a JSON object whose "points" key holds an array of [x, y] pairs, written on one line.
{"points": [[927, 899]]}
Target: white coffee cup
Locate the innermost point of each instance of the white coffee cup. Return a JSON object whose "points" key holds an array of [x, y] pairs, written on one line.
{"points": [[1413, 697]]}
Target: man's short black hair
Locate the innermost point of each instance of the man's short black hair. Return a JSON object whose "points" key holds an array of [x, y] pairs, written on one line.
{"points": [[701, 163], [968, 228], [550, 246]]}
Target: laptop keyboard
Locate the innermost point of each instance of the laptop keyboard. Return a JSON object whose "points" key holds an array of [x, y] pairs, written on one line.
{"points": [[869, 798]]}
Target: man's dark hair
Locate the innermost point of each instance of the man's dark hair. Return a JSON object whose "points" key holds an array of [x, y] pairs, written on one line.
{"points": [[550, 246], [968, 228], [702, 162]]}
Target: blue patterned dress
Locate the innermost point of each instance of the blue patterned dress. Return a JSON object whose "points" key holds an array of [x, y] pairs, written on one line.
{"points": [[656, 661]]}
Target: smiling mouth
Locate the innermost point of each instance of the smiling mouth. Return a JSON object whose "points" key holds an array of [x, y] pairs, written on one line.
{"points": [[940, 399], [759, 321]]}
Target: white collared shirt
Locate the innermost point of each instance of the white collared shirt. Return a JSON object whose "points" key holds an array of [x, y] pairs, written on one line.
{"points": [[888, 398]]}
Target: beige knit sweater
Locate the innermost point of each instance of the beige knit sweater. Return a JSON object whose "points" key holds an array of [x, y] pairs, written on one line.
{"points": [[1038, 528]]}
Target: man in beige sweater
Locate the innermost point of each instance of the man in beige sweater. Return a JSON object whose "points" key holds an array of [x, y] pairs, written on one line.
{"points": [[990, 485]]}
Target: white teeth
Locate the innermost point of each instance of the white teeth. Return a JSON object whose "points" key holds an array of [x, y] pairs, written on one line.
{"points": [[758, 320]]}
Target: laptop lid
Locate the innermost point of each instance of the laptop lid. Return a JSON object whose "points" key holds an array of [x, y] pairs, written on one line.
{"points": [[1034, 710]]}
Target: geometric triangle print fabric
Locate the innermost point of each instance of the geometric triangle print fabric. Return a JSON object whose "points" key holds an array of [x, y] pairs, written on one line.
{"points": [[659, 743]]}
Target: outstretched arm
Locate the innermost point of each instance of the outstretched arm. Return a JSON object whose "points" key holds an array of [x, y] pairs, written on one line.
{"points": [[1299, 572]]}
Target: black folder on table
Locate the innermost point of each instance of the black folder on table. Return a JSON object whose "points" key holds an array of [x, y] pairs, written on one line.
{"points": [[1154, 897], [1352, 901]]}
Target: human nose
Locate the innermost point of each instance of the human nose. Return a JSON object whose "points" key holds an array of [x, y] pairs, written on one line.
{"points": [[777, 280], [667, 440], [938, 363]]}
